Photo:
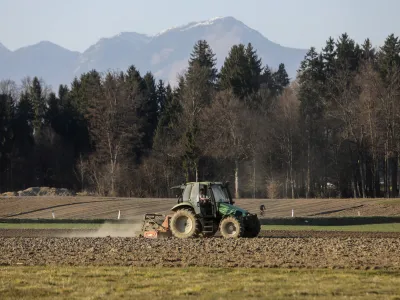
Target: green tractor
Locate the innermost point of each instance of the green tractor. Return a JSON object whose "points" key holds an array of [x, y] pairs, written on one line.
{"points": [[203, 208]]}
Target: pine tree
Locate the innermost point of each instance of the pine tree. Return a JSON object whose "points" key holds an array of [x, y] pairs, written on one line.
{"points": [[78, 108], [389, 56], [235, 72], [63, 94], [150, 111], [280, 79], [168, 132], [368, 51], [23, 130], [255, 66], [329, 58], [202, 56], [135, 80], [88, 86], [178, 90], [7, 114], [160, 96], [266, 76], [311, 79], [38, 103], [348, 53], [54, 111]]}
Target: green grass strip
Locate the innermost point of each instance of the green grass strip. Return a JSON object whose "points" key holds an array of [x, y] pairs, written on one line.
{"points": [[394, 227]]}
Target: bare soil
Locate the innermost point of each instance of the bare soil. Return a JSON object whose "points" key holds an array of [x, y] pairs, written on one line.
{"points": [[121, 233], [80, 207], [313, 252]]}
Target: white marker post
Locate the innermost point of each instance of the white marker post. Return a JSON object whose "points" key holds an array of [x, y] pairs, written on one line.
{"points": [[119, 214], [52, 213], [292, 213]]}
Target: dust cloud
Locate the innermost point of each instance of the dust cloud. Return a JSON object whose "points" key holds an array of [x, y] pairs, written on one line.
{"points": [[131, 229]]}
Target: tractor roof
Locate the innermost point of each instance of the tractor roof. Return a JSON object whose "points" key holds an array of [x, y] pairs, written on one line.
{"points": [[182, 186], [205, 182]]}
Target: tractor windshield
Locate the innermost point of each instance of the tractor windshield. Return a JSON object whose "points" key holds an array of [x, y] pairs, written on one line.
{"points": [[219, 194]]}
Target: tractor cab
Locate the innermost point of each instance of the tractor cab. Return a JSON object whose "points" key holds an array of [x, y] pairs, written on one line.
{"points": [[204, 197]]}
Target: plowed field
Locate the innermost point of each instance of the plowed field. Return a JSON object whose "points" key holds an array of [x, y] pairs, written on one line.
{"points": [[132, 208], [334, 252], [123, 233]]}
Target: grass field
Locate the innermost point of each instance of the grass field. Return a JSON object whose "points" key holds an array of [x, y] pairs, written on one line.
{"points": [[391, 227], [197, 283]]}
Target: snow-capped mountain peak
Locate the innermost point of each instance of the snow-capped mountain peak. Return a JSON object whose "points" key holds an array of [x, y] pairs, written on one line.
{"points": [[192, 25]]}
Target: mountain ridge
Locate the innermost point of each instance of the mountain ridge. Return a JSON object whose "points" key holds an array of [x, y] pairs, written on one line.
{"points": [[165, 53]]}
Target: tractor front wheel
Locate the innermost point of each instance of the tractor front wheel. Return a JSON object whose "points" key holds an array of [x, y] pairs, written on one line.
{"points": [[253, 227], [184, 224], [231, 227]]}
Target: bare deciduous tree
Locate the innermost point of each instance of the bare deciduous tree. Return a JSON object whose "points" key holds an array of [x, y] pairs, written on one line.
{"points": [[113, 124], [229, 131], [286, 131]]}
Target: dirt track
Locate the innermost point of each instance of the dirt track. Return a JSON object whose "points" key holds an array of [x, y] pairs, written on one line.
{"points": [[333, 252]]}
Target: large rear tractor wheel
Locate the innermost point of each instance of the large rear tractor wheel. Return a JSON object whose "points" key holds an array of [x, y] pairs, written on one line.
{"points": [[253, 227], [184, 224], [231, 227]]}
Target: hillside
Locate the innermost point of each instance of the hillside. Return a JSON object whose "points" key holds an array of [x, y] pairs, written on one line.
{"points": [[164, 54]]}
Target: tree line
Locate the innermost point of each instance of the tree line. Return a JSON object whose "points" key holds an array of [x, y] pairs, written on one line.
{"points": [[329, 132]]}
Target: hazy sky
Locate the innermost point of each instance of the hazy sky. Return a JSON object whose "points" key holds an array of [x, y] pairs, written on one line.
{"points": [[76, 24]]}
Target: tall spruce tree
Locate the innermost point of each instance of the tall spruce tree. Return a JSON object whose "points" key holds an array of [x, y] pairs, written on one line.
{"points": [[195, 92], [7, 115], [280, 79], [255, 66], [235, 73], [329, 58], [311, 109], [160, 96], [38, 103], [389, 56], [368, 51], [203, 57], [150, 111], [348, 53]]}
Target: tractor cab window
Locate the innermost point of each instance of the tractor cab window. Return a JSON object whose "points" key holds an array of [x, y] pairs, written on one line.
{"points": [[187, 192], [194, 193], [219, 194], [205, 190]]}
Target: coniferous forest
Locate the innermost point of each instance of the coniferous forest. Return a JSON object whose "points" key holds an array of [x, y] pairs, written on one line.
{"points": [[331, 132]]}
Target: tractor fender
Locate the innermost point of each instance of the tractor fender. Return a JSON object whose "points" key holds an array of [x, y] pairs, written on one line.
{"points": [[183, 205]]}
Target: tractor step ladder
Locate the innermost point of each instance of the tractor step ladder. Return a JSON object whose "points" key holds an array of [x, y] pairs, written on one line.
{"points": [[208, 226]]}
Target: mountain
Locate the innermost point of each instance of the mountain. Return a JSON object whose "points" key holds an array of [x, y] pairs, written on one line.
{"points": [[165, 54], [3, 50], [4, 55], [45, 59]]}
